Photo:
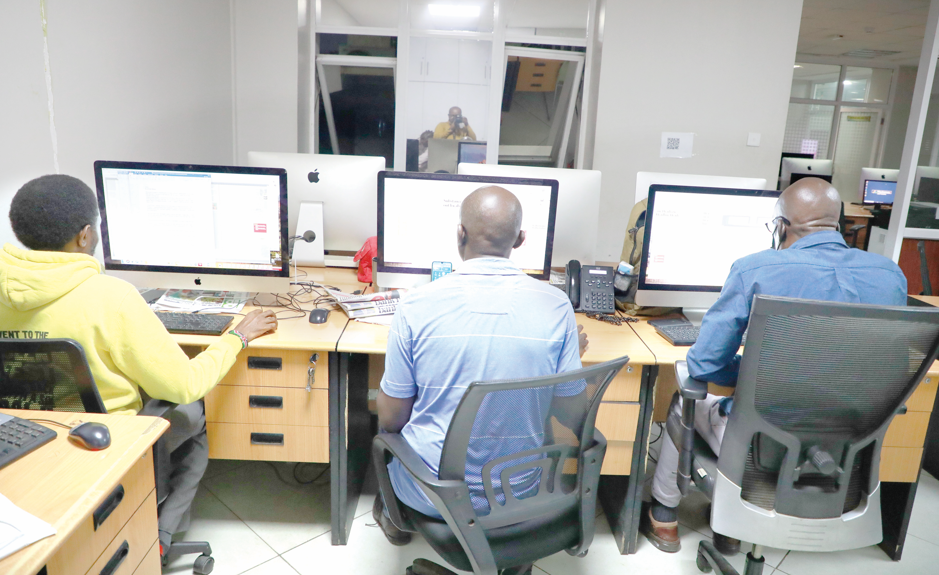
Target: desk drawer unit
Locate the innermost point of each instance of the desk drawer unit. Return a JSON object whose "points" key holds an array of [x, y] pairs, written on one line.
{"points": [[618, 419], [263, 409], [902, 452], [97, 532], [132, 545]]}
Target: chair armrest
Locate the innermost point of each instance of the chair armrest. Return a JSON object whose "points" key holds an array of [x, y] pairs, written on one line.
{"points": [[157, 408], [689, 387], [856, 228], [901, 410]]}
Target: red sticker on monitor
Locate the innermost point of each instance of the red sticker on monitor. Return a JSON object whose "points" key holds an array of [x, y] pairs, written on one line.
{"points": [[260, 228]]}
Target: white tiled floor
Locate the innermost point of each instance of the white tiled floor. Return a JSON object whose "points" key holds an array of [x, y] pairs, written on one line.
{"points": [[262, 524]]}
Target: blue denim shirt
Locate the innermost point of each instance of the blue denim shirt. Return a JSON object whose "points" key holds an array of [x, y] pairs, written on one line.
{"points": [[819, 266]]}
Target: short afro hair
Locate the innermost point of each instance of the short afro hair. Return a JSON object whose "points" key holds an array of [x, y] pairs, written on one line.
{"points": [[51, 210]]}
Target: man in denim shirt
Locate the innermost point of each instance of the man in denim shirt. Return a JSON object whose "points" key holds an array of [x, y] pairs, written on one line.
{"points": [[811, 261]]}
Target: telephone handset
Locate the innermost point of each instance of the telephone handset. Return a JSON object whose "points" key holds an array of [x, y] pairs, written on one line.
{"points": [[590, 288]]}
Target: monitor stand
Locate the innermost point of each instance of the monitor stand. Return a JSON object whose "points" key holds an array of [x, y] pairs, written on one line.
{"points": [[694, 314]]}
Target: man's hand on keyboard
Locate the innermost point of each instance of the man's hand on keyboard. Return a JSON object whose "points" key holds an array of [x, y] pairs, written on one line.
{"points": [[257, 323]]}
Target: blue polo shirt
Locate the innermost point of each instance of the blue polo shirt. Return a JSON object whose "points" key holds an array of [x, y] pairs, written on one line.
{"points": [[819, 266], [486, 321]]}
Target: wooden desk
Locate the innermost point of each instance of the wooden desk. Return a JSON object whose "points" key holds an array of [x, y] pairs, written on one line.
{"points": [[63, 484], [901, 456], [853, 212]]}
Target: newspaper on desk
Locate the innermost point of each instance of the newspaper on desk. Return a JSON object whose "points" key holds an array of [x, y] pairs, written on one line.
{"points": [[368, 305], [190, 301], [19, 528]]}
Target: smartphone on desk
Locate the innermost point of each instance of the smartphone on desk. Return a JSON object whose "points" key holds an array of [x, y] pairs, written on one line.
{"points": [[590, 288], [439, 269]]}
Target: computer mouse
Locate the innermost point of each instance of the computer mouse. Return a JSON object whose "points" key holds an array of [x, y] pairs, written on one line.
{"points": [[319, 315], [91, 435]]}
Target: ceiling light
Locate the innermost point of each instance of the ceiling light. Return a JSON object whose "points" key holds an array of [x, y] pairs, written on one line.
{"points": [[454, 10], [847, 82], [796, 66]]}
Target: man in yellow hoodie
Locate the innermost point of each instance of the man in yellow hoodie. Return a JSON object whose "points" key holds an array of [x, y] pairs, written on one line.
{"points": [[55, 289]]}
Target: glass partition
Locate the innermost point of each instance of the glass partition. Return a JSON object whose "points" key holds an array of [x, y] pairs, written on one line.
{"points": [[560, 18], [477, 16], [815, 81], [808, 129], [867, 84], [363, 13]]}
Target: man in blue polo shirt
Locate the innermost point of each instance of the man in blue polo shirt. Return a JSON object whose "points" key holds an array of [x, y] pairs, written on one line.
{"points": [[812, 261], [486, 321]]}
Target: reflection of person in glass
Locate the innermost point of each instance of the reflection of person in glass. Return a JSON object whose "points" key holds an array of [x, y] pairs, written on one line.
{"points": [[423, 152], [455, 128]]}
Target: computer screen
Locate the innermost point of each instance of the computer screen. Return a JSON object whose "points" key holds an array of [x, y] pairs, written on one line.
{"points": [[694, 235], [879, 192], [418, 215], [472, 153], [193, 219]]}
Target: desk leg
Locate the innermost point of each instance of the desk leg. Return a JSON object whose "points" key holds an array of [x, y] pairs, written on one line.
{"points": [[896, 505], [349, 439], [621, 497]]}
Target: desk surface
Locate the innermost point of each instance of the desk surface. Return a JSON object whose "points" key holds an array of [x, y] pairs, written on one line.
{"points": [[62, 483], [853, 211]]}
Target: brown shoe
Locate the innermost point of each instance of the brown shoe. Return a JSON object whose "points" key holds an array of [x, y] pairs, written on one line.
{"points": [[394, 535], [664, 536], [726, 545]]}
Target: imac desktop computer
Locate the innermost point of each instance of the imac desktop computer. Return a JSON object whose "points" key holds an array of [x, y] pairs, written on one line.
{"points": [[194, 227], [418, 216], [879, 181], [646, 179], [693, 235], [926, 184], [575, 229], [470, 152], [804, 168], [346, 186]]}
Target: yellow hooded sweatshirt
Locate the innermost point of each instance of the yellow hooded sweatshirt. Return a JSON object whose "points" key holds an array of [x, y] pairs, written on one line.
{"points": [[65, 295]]}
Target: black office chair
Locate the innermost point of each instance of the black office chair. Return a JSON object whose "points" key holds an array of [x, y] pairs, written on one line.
{"points": [[550, 504], [800, 459], [53, 375], [850, 234]]}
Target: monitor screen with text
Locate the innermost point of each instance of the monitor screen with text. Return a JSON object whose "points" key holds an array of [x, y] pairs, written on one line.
{"points": [[694, 235], [162, 217], [418, 216], [879, 191]]}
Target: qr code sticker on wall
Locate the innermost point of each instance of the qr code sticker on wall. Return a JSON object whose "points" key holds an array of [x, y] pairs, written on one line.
{"points": [[672, 143]]}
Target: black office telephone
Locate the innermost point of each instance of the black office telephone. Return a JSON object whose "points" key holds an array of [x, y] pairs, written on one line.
{"points": [[590, 287]]}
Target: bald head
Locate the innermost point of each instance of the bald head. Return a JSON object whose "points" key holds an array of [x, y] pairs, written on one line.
{"points": [[810, 205], [490, 223]]}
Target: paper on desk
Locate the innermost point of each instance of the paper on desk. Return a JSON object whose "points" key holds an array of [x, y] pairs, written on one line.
{"points": [[202, 301], [19, 529]]}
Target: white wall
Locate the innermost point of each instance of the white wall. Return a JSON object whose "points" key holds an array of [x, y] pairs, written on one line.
{"points": [[719, 69], [143, 81], [899, 117]]}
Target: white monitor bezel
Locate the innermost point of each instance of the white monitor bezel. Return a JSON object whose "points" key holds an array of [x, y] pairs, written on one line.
{"points": [[184, 277]]}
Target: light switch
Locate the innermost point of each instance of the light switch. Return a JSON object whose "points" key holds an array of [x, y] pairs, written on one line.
{"points": [[753, 139]]}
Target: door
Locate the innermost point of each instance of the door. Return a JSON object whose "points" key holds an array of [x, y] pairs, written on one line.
{"points": [[855, 148]]}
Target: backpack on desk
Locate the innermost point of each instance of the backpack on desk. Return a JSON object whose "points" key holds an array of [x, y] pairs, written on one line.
{"points": [[632, 253]]}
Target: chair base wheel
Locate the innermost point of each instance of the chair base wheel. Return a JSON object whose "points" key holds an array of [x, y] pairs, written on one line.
{"points": [[702, 563], [203, 565], [425, 567]]}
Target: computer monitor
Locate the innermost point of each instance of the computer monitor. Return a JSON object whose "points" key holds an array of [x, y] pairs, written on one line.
{"points": [[347, 187], [418, 215], [875, 174], [692, 237], [926, 184], [808, 167], [470, 152], [575, 228], [785, 155], [646, 179], [796, 177], [196, 227], [878, 192]]}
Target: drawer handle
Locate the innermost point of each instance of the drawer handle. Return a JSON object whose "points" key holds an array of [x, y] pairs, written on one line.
{"points": [[267, 439], [266, 401], [108, 506], [539, 64], [539, 75], [536, 85], [274, 363], [122, 552]]}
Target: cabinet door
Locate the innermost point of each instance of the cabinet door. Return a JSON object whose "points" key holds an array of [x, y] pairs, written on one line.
{"points": [[438, 99], [475, 57], [416, 59], [415, 104], [442, 60], [474, 101]]}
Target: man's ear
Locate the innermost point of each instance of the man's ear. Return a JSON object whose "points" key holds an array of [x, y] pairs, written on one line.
{"points": [[519, 240], [84, 237], [460, 235]]}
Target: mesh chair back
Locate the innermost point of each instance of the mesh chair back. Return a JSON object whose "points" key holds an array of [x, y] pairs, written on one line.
{"points": [[519, 444], [48, 375], [821, 379]]}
